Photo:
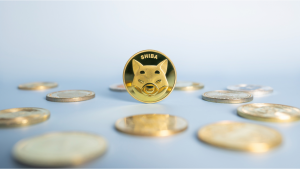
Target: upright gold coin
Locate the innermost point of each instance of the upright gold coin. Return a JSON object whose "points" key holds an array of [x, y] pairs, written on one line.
{"points": [[240, 136], [70, 96], [18, 117], [183, 85], [269, 112], [151, 125], [149, 76], [37, 86], [224, 96], [59, 149]]}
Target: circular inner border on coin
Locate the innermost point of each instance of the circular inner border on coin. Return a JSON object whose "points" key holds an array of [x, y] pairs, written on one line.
{"points": [[225, 96], [70, 96], [37, 85]]}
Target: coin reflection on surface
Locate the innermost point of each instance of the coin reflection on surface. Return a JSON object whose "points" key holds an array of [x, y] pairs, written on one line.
{"points": [[151, 125]]}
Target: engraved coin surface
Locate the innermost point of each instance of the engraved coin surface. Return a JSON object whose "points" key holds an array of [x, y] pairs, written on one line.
{"points": [[59, 149], [70, 96], [184, 85], [269, 112], [253, 89], [37, 86], [118, 87], [240, 136], [18, 117], [149, 76], [151, 125], [224, 96]]}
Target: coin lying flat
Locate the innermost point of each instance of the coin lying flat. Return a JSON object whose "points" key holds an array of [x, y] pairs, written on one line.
{"points": [[224, 96], [38, 86], [70, 96], [59, 149], [269, 112], [18, 117], [253, 89], [182, 85], [151, 125], [118, 88], [240, 136]]}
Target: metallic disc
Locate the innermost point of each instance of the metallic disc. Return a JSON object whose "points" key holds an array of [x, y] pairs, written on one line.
{"points": [[70, 96], [37, 86], [240, 136], [118, 88], [269, 112], [149, 76], [183, 85], [253, 89], [224, 96], [59, 149], [152, 125], [18, 117]]}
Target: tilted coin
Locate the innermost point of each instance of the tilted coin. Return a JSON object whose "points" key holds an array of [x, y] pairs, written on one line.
{"points": [[269, 112], [59, 149], [240, 136], [70, 96], [183, 85], [18, 117], [224, 96], [254, 89], [149, 76], [38, 86], [151, 125], [118, 87]]}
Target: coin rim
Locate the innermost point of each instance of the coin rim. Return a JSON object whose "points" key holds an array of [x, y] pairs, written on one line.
{"points": [[74, 99], [23, 86], [194, 86], [228, 101]]}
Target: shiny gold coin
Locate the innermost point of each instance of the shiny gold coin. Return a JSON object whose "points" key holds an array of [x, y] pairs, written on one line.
{"points": [[70, 96], [269, 112], [59, 149], [183, 85], [38, 86], [240, 136], [224, 96], [18, 117], [149, 76], [152, 125]]}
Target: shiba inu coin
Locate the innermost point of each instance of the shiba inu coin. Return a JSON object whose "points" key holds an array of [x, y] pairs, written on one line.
{"points": [[149, 76], [182, 85], [18, 117], [37, 86], [240, 136], [269, 112], [253, 89], [59, 149], [223, 96], [70, 96], [151, 125], [118, 88]]}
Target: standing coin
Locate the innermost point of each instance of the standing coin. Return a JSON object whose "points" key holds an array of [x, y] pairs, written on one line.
{"points": [[240, 136], [182, 85], [37, 86], [269, 112], [118, 88], [223, 96], [70, 96], [151, 125], [149, 76], [18, 117], [59, 149], [254, 89]]}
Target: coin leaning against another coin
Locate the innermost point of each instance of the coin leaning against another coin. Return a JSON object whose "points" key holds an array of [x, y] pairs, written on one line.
{"points": [[70, 96], [37, 86], [253, 89], [184, 85], [224, 96]]}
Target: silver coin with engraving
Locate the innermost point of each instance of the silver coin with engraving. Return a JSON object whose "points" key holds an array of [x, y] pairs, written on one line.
{"points": [[224, 96], [118, 87], [185, 85], [70, 96], [253, 89]]}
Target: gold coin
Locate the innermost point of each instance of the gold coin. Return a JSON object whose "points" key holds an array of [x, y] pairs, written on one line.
{"points": [[59, 149], [269, 112], [18, 117], [151, 125], [182, 85], [70, 96], [149, 76], [224, 96], [240, 136], [38, 86]]}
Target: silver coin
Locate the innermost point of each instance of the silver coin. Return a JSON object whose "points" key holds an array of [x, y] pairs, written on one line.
{"points": [[253, 89], [184, 85], [70, 96], [225, 96], [118, 87]]}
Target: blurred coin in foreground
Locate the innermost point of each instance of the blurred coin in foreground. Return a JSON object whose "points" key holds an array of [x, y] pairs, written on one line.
{"points": [[151, 125], [269, 112], [59, 149], [70, 96], [253, 89], [224, 96], [240, 136], [183, 85], [37, 86], [118, 87], [18, 117]]}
